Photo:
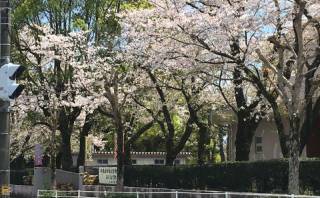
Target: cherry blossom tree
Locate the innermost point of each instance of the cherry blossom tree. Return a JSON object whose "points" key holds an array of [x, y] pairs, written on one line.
{"points": [[179, 33], [52, 89], [252, 55], [82, 63], [114, 83], [296, 53], [171, 35], [196, 90]]}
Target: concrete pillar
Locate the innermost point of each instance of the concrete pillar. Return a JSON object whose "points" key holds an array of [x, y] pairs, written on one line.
{"points": [[41, 179], [81, 175]]}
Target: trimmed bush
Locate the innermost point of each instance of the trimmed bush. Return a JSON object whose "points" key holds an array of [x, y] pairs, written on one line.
{"points": [[120, 195], [260, 176], [21, 177]]}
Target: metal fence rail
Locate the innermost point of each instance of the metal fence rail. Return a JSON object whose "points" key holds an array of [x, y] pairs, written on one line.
{"points": [[176, 194]]}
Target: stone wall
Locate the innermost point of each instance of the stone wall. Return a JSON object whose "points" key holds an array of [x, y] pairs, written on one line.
{"points": [[22, 191]]}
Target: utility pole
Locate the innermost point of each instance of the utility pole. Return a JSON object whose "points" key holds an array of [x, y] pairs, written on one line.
{"points": [[9, 90], [4, 149], [53, 146], [4, 104]]}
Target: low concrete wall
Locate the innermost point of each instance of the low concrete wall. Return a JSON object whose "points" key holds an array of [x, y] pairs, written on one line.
{"points": [[41, 180], [65, 177], [22, 191]]}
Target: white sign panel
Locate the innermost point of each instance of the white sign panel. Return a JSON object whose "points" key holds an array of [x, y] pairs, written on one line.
{"points": [[108, 175]]}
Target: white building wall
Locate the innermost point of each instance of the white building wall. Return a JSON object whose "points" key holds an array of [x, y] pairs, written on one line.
{"points": [[270, 142], [111, 161], [145, 161]]}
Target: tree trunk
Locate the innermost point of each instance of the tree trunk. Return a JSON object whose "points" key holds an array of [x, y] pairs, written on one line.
{"points": [[169, 129], [245, 133], [170, 157], [65, 148], [58, 159], [120, 157], [312, 116], [283, 138], [243, 144], [127, 156], [307, 127], [294, 163], [129, 143], [82, 146], [83, 134], [221, 149], [66, 123], [202, 139], [66, 157], [313, 107], [272, 99], [172, 154]]}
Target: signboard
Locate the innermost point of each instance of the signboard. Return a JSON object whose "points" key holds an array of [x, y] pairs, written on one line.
{"points": [[38, 155], [5, 190], [108, 175]]}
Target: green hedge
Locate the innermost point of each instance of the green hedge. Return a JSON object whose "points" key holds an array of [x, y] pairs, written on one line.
{"points": [[18, 177], [260, 176]]}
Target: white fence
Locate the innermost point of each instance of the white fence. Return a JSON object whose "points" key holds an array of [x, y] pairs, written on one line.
{"points": [[176, 194]]}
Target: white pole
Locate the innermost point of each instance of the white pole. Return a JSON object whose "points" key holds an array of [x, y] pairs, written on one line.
{"points": [[56, 192], [78, 193], [226, 195], [176, 194], [292, 195], [137, 194]]}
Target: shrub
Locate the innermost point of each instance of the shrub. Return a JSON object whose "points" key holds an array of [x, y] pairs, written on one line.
{"points": [[90, 179], [21, 177], [65, 186], [259, 176], [47, 194], [116, 195], [27, 180]]}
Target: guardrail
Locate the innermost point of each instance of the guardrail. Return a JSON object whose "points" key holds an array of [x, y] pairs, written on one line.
{"points": [[176, 194]]}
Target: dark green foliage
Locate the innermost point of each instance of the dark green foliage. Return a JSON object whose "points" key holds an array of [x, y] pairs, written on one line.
{"points": [[310, 176], [117, 195], [260, 176], [49, 194], [21, 177]]}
